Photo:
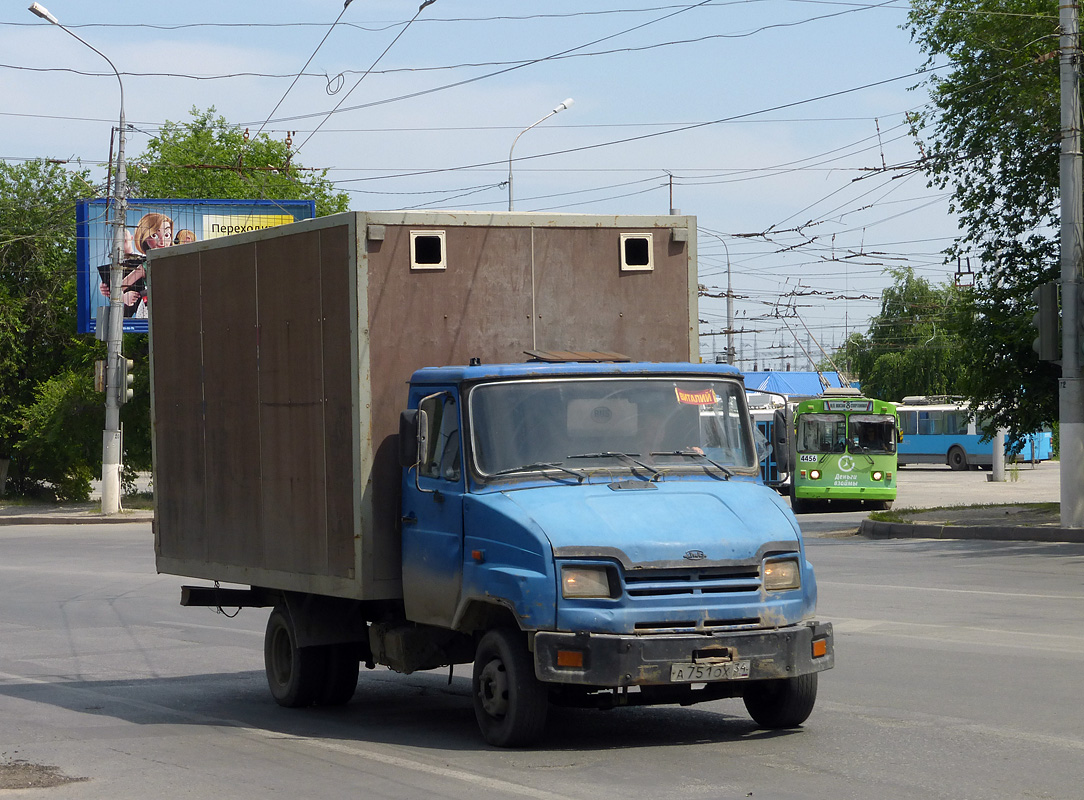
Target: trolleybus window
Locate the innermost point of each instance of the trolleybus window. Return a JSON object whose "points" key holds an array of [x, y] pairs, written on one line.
{"points": [[872, 433], [822, 433]]}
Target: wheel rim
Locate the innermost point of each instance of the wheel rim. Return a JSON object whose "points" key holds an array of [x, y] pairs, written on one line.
{"points": [[281, 657], [493, 689]]}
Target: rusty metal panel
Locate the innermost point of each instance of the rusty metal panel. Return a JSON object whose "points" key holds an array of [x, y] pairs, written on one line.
{"points": [[177, 410]]}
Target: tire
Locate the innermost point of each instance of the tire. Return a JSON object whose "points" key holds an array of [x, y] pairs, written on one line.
{"points": [[342, 665], [881, 505], [295, 674], [510, 703], [782, 703], [957, 459]]}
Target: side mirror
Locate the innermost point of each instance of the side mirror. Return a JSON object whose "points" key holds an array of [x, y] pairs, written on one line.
{"points": [[408, 439], [781, 440]]}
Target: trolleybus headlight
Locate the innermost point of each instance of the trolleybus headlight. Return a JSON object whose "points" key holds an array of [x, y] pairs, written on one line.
{"points": [[780, 575], [878, 475], [585, 582], [815, 474]]}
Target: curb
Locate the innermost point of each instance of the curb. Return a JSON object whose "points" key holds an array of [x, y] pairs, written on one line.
{"points": [[901, 530], [73, 519]]}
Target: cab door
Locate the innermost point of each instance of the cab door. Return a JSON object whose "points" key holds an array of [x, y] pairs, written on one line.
{"points": [[432, 515]]}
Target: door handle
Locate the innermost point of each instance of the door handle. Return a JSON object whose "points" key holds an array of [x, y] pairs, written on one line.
{"points": [[409, 519]]}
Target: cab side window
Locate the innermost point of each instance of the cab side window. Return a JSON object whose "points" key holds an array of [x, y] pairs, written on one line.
{"points": [[442, 460]]}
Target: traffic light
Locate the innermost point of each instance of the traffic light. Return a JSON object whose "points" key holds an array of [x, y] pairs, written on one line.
{"points": [[1045, 322], [124, 384]]}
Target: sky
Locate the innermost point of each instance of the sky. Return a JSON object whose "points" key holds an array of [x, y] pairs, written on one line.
{"points": [[782, 125]]}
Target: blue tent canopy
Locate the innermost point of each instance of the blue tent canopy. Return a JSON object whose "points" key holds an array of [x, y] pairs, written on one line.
{"points": [[791, 384]]}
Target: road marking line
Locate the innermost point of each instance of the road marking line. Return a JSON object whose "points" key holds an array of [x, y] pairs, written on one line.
{"points": [[490, 784], [359, 751]]}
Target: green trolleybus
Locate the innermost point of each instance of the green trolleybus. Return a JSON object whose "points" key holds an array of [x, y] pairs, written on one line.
{"points": [[844, 448]]}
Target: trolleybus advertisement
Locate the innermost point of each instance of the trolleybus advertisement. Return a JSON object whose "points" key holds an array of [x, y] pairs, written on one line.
{"points": [[150, 224]]}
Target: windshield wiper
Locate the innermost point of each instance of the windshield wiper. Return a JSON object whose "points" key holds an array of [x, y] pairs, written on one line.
{"points": [[629, 458], [543, 465], [693, 453]]}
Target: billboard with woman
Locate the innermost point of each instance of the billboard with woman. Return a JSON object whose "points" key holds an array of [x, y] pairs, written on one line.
{"points": [[151, 224]]}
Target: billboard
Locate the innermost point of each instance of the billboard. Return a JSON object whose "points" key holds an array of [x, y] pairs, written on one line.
{"points": [[159, 223]]}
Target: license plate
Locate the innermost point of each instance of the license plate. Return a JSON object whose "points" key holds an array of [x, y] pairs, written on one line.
{"points": [[698, 673]]}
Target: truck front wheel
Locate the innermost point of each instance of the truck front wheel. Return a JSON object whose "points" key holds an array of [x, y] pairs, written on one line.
{"points": [[295, 674], [510, 703], [782, 703]]}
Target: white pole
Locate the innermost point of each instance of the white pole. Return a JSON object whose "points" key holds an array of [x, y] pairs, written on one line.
{"points": [[112, 459], [561, 107]]}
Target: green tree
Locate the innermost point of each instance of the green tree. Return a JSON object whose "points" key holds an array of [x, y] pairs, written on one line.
{"points": [[991, 137], [910, 347], [208, 158], [50, 417]]}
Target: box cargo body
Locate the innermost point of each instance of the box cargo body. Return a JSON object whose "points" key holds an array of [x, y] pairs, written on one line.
{"points": [[280, 362]]}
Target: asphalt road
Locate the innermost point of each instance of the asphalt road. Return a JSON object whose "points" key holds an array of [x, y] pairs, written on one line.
{"points": [[936, 486], [958, 677]]}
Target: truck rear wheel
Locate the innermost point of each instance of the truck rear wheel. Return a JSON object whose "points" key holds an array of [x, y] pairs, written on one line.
{"points": [[510, 703], [341, 674], [295, 674], [782, 703]]}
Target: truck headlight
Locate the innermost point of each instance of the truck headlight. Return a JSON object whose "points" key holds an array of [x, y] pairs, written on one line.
{"points": [[779, 575], [585, 582]]}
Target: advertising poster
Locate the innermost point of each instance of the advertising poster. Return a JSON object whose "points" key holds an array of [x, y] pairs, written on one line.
{"points": [[159, 223]]}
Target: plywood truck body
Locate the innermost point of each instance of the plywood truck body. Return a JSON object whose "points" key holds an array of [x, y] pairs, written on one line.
{"points": [[281, 358]]}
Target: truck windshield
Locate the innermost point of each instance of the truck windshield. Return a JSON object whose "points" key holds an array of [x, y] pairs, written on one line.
{"points": [[645, 425]]}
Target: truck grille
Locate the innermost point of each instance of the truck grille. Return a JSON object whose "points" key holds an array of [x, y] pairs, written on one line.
{"points": [[670, 582], [676, 626]]}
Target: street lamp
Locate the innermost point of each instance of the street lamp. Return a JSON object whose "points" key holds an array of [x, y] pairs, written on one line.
{"points": [[730, 353], [115, 384], [561, 107]]}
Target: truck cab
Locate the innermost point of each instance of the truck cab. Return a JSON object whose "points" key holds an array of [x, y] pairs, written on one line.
{"points": [[601, 534]]}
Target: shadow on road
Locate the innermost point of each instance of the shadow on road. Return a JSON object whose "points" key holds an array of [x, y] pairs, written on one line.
{"points": [[420, 710]]}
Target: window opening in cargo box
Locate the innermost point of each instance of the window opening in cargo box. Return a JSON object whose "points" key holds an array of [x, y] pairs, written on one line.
{"points": [[636, 252], [427, 250]]}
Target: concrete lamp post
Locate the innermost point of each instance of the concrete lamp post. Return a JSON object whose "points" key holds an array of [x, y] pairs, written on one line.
{"points": [[115, 385]]}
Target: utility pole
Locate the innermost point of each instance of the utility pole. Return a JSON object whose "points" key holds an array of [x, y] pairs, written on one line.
{"points": [[115, 383], [730, 352], [1071, 394]]}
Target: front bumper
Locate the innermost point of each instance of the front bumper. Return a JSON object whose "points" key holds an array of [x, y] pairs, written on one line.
{"points": [[610, 660], [810, 491]]}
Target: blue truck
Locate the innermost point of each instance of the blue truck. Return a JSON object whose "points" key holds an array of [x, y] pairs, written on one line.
{"points": [[586, 530]]}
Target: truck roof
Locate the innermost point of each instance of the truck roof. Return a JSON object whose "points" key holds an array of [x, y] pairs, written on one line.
{"points": [[457, 374]]}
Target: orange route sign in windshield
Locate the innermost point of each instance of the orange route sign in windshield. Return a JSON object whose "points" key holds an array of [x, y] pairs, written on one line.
{"points": [[704, 397]]}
